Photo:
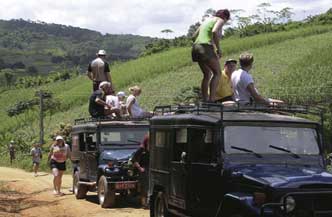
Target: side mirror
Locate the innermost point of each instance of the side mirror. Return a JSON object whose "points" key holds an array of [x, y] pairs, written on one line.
{"points": [[183, 157]]}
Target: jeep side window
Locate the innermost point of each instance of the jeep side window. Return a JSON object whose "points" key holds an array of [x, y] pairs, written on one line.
{"points": [[90, 139], [203, 150], [81, 142], [160, 156], [180, 146]]}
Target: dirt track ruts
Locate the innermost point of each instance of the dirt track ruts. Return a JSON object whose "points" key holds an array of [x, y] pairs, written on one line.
{"points": [[22, 194]]}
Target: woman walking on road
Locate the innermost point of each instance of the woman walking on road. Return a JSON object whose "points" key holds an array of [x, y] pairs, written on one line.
{"points": [[57, 157], [206, 51]]}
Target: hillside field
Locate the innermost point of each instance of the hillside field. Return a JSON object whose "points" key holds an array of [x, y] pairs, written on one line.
{"points": [[294, 66]]}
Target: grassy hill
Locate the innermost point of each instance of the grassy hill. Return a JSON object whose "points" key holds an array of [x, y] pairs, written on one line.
{"points": [[38, 48], [294, 66]]}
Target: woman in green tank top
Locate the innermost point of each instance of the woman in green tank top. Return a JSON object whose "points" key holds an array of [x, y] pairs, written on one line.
{"points": [[206, 51]]}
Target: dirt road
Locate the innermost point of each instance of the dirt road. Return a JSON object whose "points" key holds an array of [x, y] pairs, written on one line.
{"points": [[22, 194]]}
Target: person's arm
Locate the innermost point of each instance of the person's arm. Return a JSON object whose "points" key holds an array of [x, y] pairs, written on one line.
{"points": [[102, 102], [89, 72], [258, 98], [130, 104], [216, 34], [193, 38], [136, 158], [108, 72], [50, 154]]}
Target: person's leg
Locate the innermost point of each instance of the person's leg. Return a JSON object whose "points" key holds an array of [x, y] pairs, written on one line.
{"points": [[60, 181], [55, 173], [34, 168], [214, 65], [205, 82], [37, 167]]}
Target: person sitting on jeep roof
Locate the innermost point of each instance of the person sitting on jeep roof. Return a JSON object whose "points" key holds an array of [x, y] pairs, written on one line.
{"points": [[224, 89], [243, 83], [134, 110], [117, 102], [141, 163], [98, 102]]}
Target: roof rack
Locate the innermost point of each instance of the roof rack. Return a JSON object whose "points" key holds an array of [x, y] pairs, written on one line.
{"points": [[104, 119], [238, 107]]}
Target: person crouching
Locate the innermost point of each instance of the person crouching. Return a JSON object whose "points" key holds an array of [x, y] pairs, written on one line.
{"points": [[98, 103]]}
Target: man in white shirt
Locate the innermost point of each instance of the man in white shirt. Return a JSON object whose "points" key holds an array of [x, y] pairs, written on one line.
{"points": [[243, 83]]}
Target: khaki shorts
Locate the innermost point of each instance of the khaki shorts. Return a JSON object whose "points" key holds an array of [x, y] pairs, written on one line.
{"points": [[202, 52]]}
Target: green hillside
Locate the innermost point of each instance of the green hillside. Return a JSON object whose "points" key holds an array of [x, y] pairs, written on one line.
{"points": [[294, 66], [38, 48]]}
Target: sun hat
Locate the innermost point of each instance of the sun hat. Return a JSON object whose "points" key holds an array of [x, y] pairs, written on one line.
{"points": [[230, 61], [101, 53], [103, 83], [121, 93], [59, 138]]}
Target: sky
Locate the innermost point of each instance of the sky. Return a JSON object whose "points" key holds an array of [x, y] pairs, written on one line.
{"points": [[142, 17]]}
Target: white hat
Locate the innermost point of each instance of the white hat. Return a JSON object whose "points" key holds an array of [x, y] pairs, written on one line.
{"points": [[121, 93], [12, 141], [103, 83], [101, 53], [59, 138]]}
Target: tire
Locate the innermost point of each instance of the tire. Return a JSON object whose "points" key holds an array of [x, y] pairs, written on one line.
{"points": [[106, 195], [159, 206], [78, 189]]}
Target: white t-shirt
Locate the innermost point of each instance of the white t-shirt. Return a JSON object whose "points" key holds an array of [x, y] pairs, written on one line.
{"points": [[136, 110], [240, 81], [113, 101]]}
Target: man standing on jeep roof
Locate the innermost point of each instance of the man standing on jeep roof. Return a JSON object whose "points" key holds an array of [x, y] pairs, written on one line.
{"points": [[98, 70]]}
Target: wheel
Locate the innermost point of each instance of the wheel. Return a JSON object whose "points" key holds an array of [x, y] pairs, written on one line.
{"points": [[159, 206], [106, 195], [79, 189]]}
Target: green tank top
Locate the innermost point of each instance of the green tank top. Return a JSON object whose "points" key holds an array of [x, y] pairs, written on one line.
{"points": [[205, 32]]}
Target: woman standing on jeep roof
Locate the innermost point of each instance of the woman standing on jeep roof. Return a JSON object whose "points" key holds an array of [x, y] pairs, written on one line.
{"points": [[206, 51], [57, 157]]}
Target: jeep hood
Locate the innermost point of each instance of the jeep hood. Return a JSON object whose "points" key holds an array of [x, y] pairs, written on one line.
{"points": [[285, 176]]}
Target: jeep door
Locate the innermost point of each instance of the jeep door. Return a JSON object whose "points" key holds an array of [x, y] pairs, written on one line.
{"points": [[91, 155], [179, 169], [204, 172]]}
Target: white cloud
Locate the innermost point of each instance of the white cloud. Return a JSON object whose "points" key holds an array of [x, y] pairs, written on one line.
{"points": [[143, 17]]}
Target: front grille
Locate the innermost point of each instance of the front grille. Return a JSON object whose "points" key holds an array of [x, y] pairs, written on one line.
{"points": [[313, 205]]}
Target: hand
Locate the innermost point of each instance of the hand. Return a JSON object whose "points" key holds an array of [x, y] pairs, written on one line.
{"points": [[141, 169], [219, 53]]}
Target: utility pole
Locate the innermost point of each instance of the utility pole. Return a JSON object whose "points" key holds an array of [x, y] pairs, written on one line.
{"points": [[42, 95], [41, 116]]}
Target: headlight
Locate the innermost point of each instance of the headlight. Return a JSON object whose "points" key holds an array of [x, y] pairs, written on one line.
{"points": [[289, 203]]}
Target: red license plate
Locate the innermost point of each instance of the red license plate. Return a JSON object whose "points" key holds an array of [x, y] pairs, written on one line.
{"points": [[123, 185]]}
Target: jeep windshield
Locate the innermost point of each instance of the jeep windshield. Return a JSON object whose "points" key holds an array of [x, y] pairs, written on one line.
{"points": [[271, 140], [122, 136]]}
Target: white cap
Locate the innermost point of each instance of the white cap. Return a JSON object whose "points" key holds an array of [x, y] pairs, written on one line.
{"points": [[101, 53], [59, 138], [103, 83], [12, 141], [121, 93]]}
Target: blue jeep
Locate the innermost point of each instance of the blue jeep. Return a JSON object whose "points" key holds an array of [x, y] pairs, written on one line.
{"points": [[238, 161]]}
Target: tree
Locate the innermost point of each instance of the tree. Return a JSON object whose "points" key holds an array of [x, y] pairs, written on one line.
{"points": [[192, 29], [9, 77], [32, 70], [285, 15], [209, 12], [167, 31]]}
